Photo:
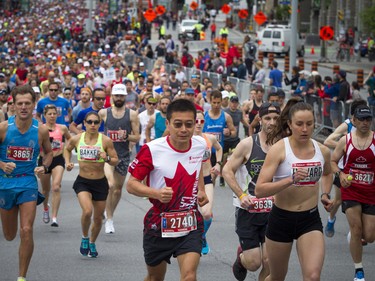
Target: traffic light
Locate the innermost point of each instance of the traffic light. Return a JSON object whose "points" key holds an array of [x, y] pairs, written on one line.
{"points": [[340, 15]]}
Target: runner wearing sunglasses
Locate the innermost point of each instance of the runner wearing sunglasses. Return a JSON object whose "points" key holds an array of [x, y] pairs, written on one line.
{"points": [[91, 186]]}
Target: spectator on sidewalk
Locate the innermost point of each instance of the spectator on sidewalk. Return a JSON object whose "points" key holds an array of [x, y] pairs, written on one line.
{"points": [[276, 76]]}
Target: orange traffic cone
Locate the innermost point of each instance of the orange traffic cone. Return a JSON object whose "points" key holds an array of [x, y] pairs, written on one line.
{"points": [[312, 50]]}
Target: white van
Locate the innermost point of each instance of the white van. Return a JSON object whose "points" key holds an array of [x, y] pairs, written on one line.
{"points": [[276, 39]]}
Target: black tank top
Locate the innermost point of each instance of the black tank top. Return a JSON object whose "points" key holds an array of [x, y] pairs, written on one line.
{"points": [[252, 115], [255, 162]]}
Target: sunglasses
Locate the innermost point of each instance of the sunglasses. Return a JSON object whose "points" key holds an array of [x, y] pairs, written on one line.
{"points": [[188, 124], [151, 103], [364, 119], [199, 121], [100, 99], [10, 103], [67, 93], [53, 90], [95, 122]]}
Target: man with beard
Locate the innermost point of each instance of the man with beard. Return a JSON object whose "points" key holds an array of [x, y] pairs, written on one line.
{"points": [[251, 220], [121, 125], [158, 122]]}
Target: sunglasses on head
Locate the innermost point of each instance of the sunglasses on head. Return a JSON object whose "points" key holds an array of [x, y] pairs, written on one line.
{"points": [[188, 124], [95, 122]]}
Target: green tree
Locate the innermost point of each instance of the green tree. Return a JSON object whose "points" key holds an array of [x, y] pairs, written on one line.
{"points": [[368, 20]]}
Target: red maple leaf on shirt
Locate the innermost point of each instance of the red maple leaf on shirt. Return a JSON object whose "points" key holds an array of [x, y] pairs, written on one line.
{"points": [[182, 184]]}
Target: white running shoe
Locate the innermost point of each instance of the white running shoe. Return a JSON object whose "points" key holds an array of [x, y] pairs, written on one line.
{"points": [[109, 228], [46, 218]]}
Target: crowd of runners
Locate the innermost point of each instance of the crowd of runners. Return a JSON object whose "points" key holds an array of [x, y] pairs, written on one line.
{"points": [[63, 94]]}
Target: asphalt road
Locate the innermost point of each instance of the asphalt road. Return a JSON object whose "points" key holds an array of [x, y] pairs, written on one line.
{"points": [[56, 256]]}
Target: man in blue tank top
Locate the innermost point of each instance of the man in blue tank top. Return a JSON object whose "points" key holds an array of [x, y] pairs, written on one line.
{"points": [[218, 123], [20, 142], [251, 213], [158, 122]]}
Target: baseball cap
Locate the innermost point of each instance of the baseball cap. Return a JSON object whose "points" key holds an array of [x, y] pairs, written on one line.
{"points": [[86, 63], [173, 71], [234, 99], [342, 73], [80, 61], [81, 76], [224, 94], [189, 91], [2, 75], [265, 109], [362, 111], [119, 89], [152, 100], [141, 64], [107, 46]]}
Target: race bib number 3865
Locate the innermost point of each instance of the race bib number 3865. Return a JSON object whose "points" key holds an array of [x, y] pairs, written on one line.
{"points": [[177, 224], [20, 153]]}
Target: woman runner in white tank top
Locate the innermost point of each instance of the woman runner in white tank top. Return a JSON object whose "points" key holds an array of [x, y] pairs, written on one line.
{"points": [[291, 172]]}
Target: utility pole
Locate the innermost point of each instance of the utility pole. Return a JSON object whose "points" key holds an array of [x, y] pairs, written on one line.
{"points": [[293, 42], [323, 22], [89, 20]]}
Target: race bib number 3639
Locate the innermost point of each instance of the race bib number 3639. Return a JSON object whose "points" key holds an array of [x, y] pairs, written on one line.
{"points": [[20, 153], [261, 205], [177, 224]]}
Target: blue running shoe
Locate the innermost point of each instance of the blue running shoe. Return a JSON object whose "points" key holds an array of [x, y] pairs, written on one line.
{"points": [[84, 249], [92, 253], [205, 247], [329, 230], [359, 276]]}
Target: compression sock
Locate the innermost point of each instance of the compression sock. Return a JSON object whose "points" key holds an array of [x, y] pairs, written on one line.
{"points": [[207, 224]]}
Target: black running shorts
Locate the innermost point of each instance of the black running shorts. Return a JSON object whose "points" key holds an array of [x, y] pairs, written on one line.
{"points": [[56, 161], [157, 249], [98, 188], [250, 228], [366, 208], [285, 226]]}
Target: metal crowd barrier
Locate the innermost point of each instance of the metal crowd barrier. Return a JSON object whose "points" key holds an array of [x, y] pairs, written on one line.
{"points": [[321, 106]]}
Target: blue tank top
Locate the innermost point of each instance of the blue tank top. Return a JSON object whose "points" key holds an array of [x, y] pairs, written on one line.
{"points": [[23, 150], [215, 126], [159, 125]]}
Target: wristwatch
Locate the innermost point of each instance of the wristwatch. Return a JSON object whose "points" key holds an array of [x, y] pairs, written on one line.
{"points": [[108, 159], [325, 193], [337, 174]]}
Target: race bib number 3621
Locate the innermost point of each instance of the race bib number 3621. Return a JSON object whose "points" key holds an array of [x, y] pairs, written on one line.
{"points": [[20, 153], [177, 224]]}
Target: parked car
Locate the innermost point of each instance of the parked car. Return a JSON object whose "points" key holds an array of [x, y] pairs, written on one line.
{"points": [[276, 39], [186, 28]]}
